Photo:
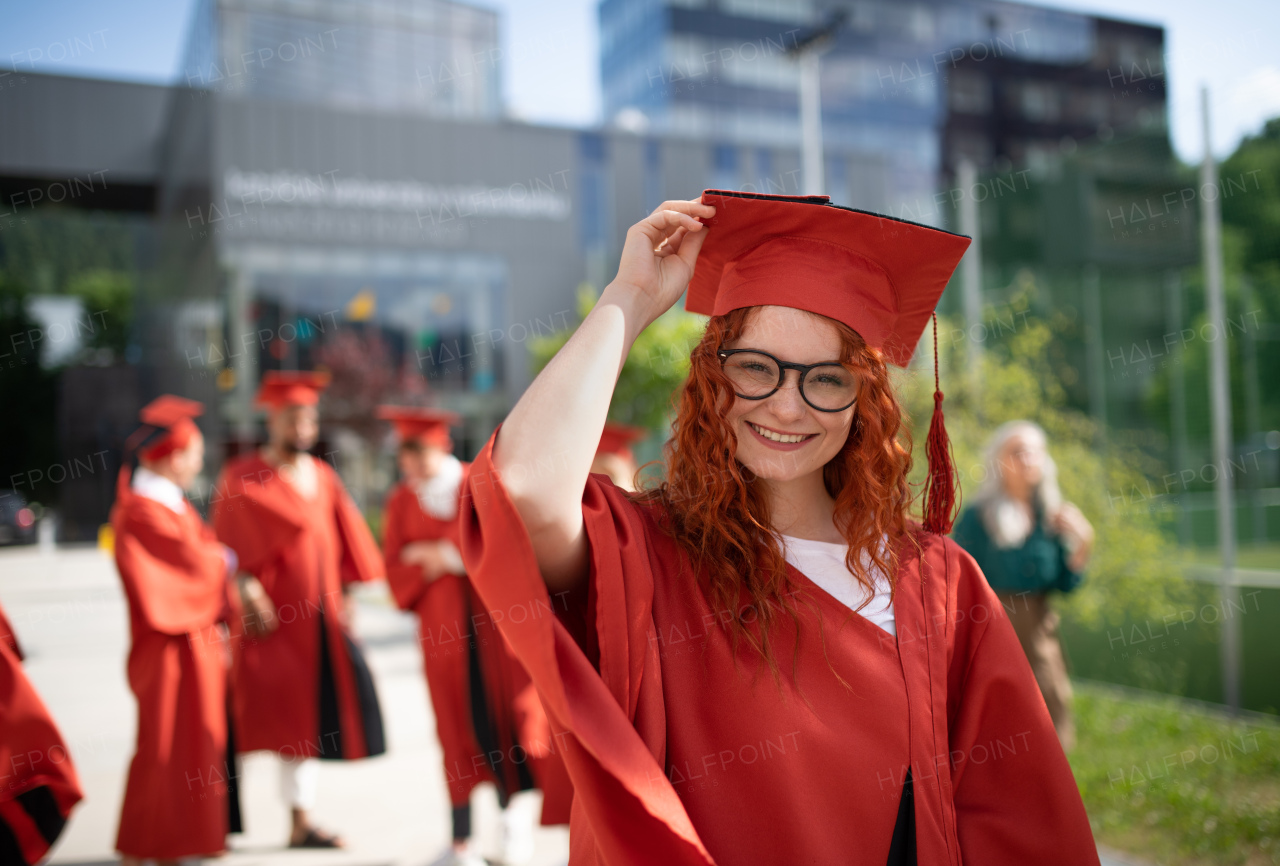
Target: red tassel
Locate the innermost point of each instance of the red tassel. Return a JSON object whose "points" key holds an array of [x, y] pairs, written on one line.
{"points": [[941, 494]]}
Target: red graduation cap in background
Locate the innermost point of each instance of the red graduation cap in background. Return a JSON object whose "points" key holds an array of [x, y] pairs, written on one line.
{"points": [[430, 426], [879, 275], [618, 438], [282, 388], [167, 426]]}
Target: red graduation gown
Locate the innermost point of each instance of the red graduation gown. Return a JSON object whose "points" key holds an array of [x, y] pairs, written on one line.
{"points": [[291, 693], [453, 626], [9, 637], [174, 575], [38, 784], [681, 753]]}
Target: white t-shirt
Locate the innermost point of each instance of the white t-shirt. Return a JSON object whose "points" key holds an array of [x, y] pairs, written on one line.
{"points": [[823, 563], [438, 495]]}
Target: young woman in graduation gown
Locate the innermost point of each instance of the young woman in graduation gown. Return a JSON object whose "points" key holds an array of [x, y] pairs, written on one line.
{"points": [[720, 704], [38, 783], [179, 800], [489, 720]]}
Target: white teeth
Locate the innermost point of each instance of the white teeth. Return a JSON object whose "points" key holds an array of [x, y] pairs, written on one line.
{"points": [[777, 437]]}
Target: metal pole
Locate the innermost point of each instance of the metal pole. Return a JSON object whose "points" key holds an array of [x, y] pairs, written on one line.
{"points": [[1220, 407], [811, 168], [807, 50], [971, 277], [245, 363]]}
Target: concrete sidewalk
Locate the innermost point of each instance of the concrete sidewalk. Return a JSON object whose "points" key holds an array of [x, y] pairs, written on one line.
{"points": [[71, 616]]}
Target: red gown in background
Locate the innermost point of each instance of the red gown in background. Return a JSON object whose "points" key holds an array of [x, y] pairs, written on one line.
{"points": [[459, 642], [38, 784], [176, 801], [304, 690], [682, 752]]}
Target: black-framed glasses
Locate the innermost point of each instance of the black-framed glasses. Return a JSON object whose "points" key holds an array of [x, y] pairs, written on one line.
{"points": [[755, 375]]}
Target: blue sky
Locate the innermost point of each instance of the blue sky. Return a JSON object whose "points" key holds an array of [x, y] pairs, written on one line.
{"points": [[551, 73]]}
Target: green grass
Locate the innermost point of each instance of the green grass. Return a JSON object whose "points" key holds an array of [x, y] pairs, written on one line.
{"points": [[1176, 650], [1174, 785]]}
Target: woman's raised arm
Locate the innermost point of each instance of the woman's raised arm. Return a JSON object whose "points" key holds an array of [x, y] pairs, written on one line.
{"points": [[545, 448]]}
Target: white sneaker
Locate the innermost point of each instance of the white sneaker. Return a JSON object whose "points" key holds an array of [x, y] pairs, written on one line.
{"points": [[466, 857], [519, 826]]}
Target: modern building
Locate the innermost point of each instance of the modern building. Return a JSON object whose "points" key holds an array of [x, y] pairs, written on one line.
{"points": [[429, 57], [906, 88], [415, 256], [1009, 109], [336, 183]]}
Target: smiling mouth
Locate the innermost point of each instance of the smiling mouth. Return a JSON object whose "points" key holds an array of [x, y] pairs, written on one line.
{"points": [[782, 438]]}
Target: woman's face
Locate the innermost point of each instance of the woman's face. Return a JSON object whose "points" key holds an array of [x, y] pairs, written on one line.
{"points": [[1021, 464], [798, 337]]}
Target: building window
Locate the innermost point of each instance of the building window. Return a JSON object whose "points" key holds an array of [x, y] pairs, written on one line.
{"points": [[970, 93], [795, 11], [594, 209], [652, 175], [724, 171], [1040, 102], [837, 180]]}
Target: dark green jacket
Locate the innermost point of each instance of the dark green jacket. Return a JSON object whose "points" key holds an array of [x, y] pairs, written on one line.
{"points": [[1039, 565]]}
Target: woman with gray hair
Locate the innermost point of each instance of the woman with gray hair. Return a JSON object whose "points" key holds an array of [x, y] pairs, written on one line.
{"points": [[1028, 542]]}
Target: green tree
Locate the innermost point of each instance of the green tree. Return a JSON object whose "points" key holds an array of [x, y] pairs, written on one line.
{"points": [[1131, 577], [1255, 212], [108, 298], [27, 392], [653, 372]]}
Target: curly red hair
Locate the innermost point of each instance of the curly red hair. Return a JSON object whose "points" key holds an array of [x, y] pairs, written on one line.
{"points": [[720, 516]]}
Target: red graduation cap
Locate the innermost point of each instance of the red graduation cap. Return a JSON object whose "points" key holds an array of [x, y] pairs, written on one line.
{"points": [[430, 426], [618, 438], [167, 426], [879, 275], [168, 409], [282, 388]]}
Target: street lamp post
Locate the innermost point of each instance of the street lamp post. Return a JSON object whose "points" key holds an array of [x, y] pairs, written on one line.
{"points": [[808, 51], [1220, 406]]}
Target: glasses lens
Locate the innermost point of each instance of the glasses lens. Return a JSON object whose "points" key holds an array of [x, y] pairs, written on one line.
{"points": [[830, 386], [751, 374]]}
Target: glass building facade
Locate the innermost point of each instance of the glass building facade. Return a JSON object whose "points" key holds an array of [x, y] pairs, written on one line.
{"points": [[409, 56], [720, 71], [316, 215]]}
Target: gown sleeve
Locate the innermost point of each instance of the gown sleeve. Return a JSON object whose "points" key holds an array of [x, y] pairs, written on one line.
{"points": [[625, 810], [361, 559], [38, 782], [9, 636], [405, 579], [176, 576], [1016, 799]]}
